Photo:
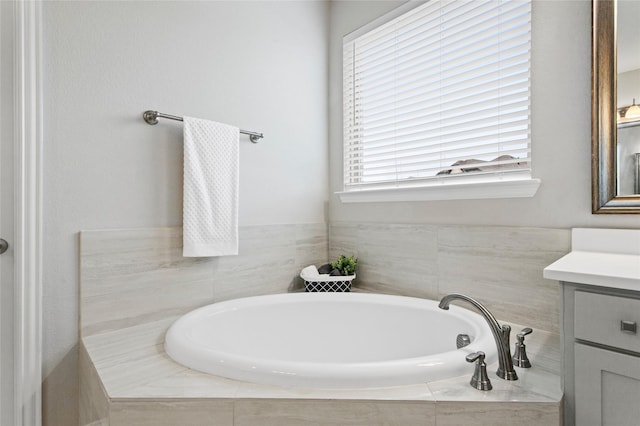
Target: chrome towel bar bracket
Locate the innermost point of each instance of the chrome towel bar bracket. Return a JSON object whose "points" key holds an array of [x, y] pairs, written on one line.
{"points": [[151, 117]]}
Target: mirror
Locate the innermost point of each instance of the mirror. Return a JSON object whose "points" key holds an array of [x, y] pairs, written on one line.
{"points": [[615, 174]]}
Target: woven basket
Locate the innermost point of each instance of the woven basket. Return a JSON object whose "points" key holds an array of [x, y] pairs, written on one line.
{"points": [[335, 284]]}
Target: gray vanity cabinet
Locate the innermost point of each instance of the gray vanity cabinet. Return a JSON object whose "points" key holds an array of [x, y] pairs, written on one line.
{"points": [[607, 387], [602, 355]]}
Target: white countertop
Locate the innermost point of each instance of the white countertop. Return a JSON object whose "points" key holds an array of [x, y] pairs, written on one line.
{"points": [[602, 257]]}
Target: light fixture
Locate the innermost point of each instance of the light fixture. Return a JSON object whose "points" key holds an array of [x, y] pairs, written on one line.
{"points": [[633, 111], [629, 113]]}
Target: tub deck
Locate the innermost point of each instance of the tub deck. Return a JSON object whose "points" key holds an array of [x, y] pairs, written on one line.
{"points": [[126, 378]]}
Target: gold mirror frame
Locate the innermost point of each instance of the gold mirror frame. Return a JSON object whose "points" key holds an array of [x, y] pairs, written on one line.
{"points": [[604, 129]]}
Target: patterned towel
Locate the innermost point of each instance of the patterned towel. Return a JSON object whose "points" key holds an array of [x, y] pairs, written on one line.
{"points": [[210, 205]]}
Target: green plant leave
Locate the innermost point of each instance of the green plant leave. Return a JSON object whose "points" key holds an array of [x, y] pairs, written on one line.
{"points": [[347, 265]]}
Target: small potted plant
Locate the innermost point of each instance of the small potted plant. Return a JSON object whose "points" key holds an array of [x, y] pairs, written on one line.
{"points": [[334, 276], [344, 266]]}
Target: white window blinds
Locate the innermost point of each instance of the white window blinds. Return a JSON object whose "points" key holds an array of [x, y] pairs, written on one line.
{"points": [[439, 93]]}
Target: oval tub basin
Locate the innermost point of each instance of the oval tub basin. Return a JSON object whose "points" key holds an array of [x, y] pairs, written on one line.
{"points": [[329, 340]]}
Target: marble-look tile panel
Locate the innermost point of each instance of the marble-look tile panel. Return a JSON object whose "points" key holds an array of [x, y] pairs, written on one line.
{"points": [[119, 343], [418, 392], [138, 275], [130, 251], [184, 384], [392, 258], [265, 263], [533, 385], [108, 312], [133, 276], [133, 364], [502, 268], [93, 403], [312, 248], [326, 412], [488, 413], [141, 369], [399, 258], [131, 357], [543, 345], [343, 239], [172, 412]]}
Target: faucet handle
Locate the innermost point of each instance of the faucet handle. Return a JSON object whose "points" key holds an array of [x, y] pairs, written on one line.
{"points": [[523, 333], [475, 355], [480, 379], [520, 358]]}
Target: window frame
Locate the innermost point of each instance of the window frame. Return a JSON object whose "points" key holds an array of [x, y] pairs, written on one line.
{"points": [[484, 186]]}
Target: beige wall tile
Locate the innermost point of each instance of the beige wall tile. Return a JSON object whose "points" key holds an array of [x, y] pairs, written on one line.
{"points": [[93, 403], [138, 275], [343, 239], [499, 266], [534, 385], [392, 258], [419, 392], [311, 244], [186, 384], [502, 267], [113, 347], [172, 413], [138, 370], [134, 276], [265, 264], [326, 412], [497, 413], [312, 248]]}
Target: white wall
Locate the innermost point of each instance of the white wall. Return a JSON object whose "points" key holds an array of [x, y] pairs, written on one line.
{"points": [[561, 130], [259, 65], [628, 87]]}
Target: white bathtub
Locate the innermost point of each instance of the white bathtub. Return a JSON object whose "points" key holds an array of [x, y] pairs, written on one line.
{"points": [[329, 340]]}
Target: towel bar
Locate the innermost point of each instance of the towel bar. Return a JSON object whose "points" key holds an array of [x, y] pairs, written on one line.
{"points": [[151, 117]]}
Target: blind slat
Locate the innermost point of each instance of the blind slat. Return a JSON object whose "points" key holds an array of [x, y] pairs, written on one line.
{"points": [[444, 134], [426, 25], [435, 166], [446, 82], [402, 57], [382, 154], [474, 80], [485, 152]]}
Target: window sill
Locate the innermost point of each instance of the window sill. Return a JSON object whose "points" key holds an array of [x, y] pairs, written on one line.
{"points": [[520, 188]]}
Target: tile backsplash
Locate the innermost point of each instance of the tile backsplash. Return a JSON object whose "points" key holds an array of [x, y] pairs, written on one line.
{"points": [[499, 266], [134, 276]]}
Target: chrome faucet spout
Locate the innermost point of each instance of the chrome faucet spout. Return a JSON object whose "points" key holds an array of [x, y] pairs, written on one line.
{"points": [[500, 333]]}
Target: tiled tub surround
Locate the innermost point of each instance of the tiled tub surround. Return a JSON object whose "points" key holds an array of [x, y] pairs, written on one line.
{"points": [[499, 266], [135, 283], [133, 276], [127, 379]]}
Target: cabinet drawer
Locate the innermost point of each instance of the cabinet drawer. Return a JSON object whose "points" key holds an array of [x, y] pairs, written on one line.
{"points": [[598, 318]]}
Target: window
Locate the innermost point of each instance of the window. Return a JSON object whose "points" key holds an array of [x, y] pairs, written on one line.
{"points": [[439, 96]]}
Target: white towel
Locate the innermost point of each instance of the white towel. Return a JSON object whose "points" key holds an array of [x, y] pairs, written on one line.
{"points": [[310, 273], [210, 204]]}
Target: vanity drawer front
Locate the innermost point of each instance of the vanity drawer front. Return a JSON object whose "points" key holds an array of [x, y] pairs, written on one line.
{"points": [[601, 319]]}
